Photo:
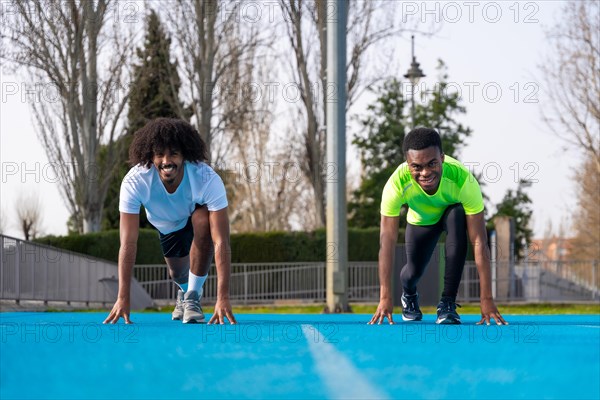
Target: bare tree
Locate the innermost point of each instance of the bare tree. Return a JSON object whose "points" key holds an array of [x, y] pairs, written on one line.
{"points": [[202, 29], [29, 214], [71, 47], [306, 31], [572, 78], [586, 221], [265, 186]]}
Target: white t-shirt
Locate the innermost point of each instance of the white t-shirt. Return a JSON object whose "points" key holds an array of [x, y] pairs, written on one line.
{"points": [[169, 212]]}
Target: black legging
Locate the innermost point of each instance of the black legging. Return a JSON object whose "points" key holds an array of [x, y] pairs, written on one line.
{"points": [[420, 243]]}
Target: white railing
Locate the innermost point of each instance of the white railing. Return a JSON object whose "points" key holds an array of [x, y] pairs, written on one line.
{"points": [[537, 281], [269, 282], [32, 271]]}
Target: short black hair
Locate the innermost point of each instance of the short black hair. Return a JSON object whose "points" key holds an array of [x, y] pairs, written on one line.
{"points": [[166, 133], [421, 138]]}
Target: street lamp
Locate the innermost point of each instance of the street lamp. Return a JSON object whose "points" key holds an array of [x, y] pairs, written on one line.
{"points": [[414, 74]]}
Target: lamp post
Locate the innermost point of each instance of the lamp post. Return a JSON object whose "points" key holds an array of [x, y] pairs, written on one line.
{"points": [[337, 226], [414, 74]]}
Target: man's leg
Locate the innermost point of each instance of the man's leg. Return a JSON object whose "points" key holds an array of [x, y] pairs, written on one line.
{"points": [[420, 242], [202, 251], [176, 249], [455, 225], [188, 254], [197, 264], [190, 257], [179, 270]]}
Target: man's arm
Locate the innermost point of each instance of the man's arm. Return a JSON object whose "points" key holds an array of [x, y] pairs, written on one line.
{"points": [[478, 237], [129, 229], [219, 230], [387, 246]]}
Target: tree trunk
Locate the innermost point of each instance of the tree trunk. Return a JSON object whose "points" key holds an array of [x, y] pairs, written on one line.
{"points": [[63, 47], [365, 34]]}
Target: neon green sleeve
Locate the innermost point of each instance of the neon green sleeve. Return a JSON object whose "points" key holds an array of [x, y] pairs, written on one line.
{"points": [[471, 197], [392, 198]]}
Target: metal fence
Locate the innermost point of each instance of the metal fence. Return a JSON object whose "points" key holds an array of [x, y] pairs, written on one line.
{"points": [[536, 281], [31, 271], [269, 282]]}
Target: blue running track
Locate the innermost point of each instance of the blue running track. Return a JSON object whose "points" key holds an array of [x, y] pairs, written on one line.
{"points": [[72, 355]]}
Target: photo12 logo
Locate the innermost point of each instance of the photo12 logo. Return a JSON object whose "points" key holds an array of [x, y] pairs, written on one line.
{"points": [[474, 92], [470, 11], [424, 333], [253, 332], [67, 332]]}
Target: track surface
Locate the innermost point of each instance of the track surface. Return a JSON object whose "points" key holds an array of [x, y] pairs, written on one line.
{"points": [[73, 355]]}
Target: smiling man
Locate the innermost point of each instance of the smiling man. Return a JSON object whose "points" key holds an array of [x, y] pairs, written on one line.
{"points": [[186, 201], [442, 195]]}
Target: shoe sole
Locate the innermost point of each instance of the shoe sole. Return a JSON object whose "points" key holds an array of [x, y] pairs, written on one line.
{"points": [[176, 318], [195, 321], [411, 319], [448, 321]]}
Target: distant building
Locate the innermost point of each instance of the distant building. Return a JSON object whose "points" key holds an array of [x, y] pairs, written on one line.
{"points": [[555, 249]]}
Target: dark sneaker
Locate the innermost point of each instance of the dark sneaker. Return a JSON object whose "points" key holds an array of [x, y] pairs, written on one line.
{"points": [[410, 308], [177, 314], [446, 312], [192, 312]]}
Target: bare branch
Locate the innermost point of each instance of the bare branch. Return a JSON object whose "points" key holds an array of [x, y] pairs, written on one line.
{"points": [[571, 76], [369, 22], [67, 45], [29, 215]]}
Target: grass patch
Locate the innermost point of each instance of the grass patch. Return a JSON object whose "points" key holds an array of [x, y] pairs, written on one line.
{"points": [[471, 308], [519, 309]]}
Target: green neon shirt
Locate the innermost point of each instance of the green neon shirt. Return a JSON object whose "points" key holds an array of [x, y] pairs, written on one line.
{"points": [[457, 185]]}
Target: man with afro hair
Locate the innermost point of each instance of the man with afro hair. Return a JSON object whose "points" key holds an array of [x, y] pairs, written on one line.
{"points": [[442, 195], [185, 201]]}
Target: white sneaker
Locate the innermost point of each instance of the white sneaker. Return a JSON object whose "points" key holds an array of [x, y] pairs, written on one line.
{"points": [[192, 312], [177, 314]]}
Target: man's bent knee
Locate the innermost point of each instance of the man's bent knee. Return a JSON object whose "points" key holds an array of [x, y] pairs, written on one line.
{"points": [[180, 275]]}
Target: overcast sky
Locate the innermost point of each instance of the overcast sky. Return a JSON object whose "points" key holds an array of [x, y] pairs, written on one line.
{"points": [[492, 50]]}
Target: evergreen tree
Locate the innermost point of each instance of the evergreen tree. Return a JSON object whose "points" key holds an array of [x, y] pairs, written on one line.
{"points": [[381, 148], [517, 204], [155, 89], [153, 93], [380, 152], [440, 111]]}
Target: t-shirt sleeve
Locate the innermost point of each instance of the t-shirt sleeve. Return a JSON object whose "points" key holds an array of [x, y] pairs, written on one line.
{"points": [[471, 197], [392, 198], [214, 195], [129, 201]]}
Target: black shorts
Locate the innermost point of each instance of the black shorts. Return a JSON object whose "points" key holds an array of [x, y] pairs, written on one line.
{"points": [[178, 243]]}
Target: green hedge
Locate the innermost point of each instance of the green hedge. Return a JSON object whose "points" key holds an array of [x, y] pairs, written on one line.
{"points": [[363, 245], [105, 245]]}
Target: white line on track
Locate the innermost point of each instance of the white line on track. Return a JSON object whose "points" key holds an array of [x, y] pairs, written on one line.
{"points": [[342, 379]]}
